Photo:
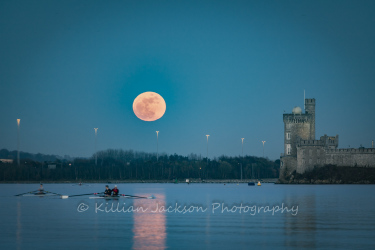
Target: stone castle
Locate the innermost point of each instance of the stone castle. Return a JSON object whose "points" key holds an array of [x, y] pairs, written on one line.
{"points": [[302, 152]]}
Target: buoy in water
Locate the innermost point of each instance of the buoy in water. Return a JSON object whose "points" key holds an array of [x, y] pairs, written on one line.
{"points": [[259, 183]]}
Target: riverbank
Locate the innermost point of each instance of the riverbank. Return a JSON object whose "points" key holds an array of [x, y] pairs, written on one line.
{"points": [[181, 181], [332, 174], [326, 181]]}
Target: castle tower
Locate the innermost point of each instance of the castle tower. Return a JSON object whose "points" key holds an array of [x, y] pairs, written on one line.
{"points": [[297, 126], [310, 110]]}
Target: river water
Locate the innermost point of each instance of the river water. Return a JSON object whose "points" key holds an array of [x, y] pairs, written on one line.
{"points": [[195, 216]]}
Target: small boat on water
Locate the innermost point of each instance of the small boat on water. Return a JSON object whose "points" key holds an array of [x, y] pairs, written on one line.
{"points": [[40, 194], [112, 197], [253, 184], [116, 197]]}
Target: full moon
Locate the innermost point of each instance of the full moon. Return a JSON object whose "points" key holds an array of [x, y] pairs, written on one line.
{"points": [[149, 106]]}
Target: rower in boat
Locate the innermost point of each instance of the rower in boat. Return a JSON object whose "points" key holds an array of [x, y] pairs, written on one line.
{"points": [[107, 192], [41, 189], [115, 191]]}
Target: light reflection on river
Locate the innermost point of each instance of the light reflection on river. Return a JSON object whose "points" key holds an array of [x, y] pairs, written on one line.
{"points": [[18, 234], [149, 227]]}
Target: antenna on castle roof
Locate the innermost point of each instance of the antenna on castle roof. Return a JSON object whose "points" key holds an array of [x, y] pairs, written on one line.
{"points": [[304, 99]]}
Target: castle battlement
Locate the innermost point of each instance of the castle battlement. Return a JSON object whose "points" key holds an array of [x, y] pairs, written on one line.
{"points": [[296, 118], [310, 143], [351, 151]]}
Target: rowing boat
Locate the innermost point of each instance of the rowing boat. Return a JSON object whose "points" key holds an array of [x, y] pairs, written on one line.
{"points": [[116, 197], [107, 197], [39, 195], [112, 197]]}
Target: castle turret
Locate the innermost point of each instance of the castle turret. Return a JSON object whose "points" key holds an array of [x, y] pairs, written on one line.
{"points": [[310, 111]]}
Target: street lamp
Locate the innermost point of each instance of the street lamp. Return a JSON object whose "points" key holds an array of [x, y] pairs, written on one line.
{"points": [[263, 148], [207, 148], [96, 153], [18, 141], [242, 157], [157, 145]]}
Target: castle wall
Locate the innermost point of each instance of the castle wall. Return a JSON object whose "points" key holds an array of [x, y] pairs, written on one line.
{"points": [[362, 157], [288, 164], [309, 156]]}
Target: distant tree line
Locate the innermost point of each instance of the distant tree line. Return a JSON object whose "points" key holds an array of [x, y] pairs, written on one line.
{"points": [[6, 154], [114, 164]]}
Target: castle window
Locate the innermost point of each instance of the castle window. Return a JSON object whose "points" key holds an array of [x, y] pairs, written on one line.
{"points": [[288, 136], [288, 149]]}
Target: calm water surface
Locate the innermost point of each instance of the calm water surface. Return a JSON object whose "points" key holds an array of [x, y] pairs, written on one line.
{"points": [[272, 217]]}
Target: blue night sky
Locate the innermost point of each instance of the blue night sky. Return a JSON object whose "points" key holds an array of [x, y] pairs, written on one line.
{"points": [[225, 68]]}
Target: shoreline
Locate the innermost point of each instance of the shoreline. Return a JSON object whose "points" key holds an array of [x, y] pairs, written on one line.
{"points": [[191, 181], [196, 181], [321, 182]]}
